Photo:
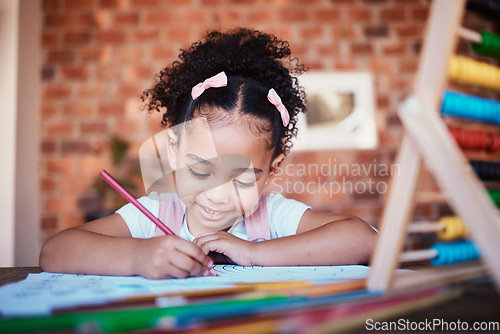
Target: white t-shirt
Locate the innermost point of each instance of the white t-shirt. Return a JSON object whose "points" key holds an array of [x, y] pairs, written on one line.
{"points": [[284, 216]]}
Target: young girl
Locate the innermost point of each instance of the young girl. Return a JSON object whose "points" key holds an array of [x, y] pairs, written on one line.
{"points": [[231, 107]]}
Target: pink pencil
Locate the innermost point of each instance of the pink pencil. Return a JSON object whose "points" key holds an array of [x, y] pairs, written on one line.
{"points": [[113, 183]]}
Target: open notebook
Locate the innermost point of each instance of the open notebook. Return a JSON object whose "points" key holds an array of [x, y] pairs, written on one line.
{"points": [[41, 294]]}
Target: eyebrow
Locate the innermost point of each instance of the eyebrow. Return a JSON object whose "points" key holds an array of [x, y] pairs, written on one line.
{"points": [[256, 171], [199, 159]]}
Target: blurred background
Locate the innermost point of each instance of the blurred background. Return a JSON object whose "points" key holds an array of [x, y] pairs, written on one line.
{"points": [[73, 71]]}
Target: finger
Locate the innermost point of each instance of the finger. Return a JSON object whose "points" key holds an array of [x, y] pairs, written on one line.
{"points": [[194, 252], [189, 265], [216, 245], [207, 237]]}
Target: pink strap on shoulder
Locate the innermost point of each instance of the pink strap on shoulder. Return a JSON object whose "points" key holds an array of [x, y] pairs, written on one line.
{"points": [[171, 213], [257, 224]]}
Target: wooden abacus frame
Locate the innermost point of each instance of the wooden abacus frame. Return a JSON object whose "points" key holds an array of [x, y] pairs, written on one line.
{"points": [[427, 138]]}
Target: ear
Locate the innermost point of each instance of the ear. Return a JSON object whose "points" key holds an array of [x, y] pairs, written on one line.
{"points": [[276, 163], [173, 148]]}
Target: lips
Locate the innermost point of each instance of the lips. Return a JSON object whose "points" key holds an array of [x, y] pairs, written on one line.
{"points": [[210, 213]]}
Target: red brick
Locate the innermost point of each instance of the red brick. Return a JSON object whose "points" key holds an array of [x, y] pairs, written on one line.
{"points": [[261, 16], [48, 146], [74, 73], [410, 31], [159, 18], [211, 2], [327, 50], [49, 109], [383, 101], [395, 49], [59, 130], [393, 15], [79, 4], [60, 56], [101, 55], [200, 17], [111, 36], [50, 39], [180, 35], [125, 54], [49, 222], [127, 127], [56, 91], [71, 184], [186, 3], [97, 91], [145, 36], [408, 65], [76, 38], [376, 31], [48, 185], [375, 2], [345, 65], [91, 164], [419, 14], [90, 20], [126, 19], [60, 204], [327, 15], [358, 49], [111, 109], [311, 32], [75, 146], [343, 32], [359, 15], [93, 127], [60, 165], [59, 21], [51, 4], [128, 90], [109, 72], [135, 72], [242, 2], [399, 83], [77, 108], [378, 66], [145, 3], [112, 4], [294, 15], [228, 17]]}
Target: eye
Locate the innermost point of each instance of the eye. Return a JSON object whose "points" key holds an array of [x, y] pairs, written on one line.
{"points": [[244, 185], [198, 175]]}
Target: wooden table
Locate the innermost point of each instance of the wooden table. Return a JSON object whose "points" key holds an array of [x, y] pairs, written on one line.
{"points": [[11, 274], [480, 301]]}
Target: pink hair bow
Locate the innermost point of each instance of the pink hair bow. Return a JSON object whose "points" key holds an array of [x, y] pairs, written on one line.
{"points": [[218, 80], [274, 98]]}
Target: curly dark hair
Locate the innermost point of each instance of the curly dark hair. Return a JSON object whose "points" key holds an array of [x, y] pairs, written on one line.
{"points": [[254, 63]]}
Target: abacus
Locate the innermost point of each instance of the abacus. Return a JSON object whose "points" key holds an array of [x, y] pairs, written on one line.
{"points": [[428, 139]]}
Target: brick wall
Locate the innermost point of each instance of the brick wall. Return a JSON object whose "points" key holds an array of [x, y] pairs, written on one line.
{"points": [[99, 55]]}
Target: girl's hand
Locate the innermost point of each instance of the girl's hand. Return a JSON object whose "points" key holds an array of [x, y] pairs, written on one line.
{"points": [[170, 256], [237, 250]]}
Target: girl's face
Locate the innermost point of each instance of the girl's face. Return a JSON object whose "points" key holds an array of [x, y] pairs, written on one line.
{"points": [[220, 172]]}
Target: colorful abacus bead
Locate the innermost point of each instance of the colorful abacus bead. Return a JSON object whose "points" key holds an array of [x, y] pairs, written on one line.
{"points": [[454, 228], [454, 252]]}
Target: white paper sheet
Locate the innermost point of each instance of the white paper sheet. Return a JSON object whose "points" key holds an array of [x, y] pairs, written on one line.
{"points": [[40, 294]]}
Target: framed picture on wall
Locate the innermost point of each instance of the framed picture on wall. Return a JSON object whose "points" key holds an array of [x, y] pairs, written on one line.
{"points": [[340, 112]]}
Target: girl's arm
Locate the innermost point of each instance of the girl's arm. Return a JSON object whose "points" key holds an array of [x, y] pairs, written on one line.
{"points": [[321, 239], [106, 247]]}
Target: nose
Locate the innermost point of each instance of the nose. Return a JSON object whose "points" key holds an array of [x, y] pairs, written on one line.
{"points": [[220, 194]]}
